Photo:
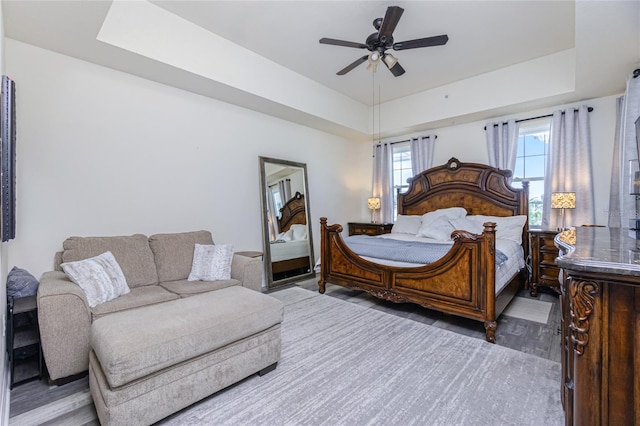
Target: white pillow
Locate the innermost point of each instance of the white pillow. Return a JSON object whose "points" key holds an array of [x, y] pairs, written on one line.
{"points": [[285, 236], [299, 232], [507, 227], [440, 229], [211, 262], [449, 213], [100, 278], [407, 224], [467, 224]]}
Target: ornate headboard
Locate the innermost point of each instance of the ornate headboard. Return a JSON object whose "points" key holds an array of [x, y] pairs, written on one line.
{"points": [[479, 188], [292, 213]]}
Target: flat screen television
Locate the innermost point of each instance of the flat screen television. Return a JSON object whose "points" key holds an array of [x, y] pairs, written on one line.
{"points": [[8, 159]]}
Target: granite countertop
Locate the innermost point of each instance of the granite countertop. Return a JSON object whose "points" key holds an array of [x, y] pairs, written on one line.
{"points": [[605, 250]]}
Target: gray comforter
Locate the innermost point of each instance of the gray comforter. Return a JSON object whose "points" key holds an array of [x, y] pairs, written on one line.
{"points": [[404, 251]]}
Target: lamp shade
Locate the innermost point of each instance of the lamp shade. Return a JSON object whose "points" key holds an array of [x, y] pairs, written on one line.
{"points": [[563, 200], [373, 203], [389, 60]]}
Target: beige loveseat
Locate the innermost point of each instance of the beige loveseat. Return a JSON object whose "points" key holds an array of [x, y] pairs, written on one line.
{"points": [[156, 270]]}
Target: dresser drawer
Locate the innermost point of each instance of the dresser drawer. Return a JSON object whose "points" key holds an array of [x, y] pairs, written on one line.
{"points": [[544, 271], [549, 276]]}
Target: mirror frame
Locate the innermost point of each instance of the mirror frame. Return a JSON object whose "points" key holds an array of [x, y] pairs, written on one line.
{"points": [[268, 269]]}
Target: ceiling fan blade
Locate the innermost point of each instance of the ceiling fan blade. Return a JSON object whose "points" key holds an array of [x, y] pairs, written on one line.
{"points": [[421, 42], [390, 21], [335, 42], [396, 69], [352, 65]]}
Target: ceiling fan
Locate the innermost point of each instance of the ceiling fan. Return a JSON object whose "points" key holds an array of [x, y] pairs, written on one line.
{"points": [[378, 43]]}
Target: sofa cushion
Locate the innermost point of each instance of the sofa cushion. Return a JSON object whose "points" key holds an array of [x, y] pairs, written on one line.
{"points": [[185, 288], [136, 298], [174, 253], [131, 252], [167, 334]]}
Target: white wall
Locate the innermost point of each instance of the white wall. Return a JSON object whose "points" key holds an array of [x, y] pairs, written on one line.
{"points": [[467, 142], [101, 152], [4, 373]]}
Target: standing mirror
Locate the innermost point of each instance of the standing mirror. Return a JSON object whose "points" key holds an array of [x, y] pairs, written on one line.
{"points": [[288, 246]]}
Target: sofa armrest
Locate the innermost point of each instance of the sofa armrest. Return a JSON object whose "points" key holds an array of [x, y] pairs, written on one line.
{"points": [[64, 318], [247, 270]]}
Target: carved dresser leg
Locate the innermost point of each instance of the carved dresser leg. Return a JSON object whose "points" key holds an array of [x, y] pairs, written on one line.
{"points": [[490, 331]]}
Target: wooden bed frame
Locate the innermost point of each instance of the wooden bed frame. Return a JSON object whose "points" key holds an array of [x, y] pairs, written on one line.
{"points": [[292, 213], [461, 283]]}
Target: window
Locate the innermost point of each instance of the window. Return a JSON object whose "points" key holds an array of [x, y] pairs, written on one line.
{"points": [[531, 160], [401, 171]]}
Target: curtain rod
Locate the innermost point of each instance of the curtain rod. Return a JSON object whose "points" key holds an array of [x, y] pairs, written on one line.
{"points": [[406, 140], [534, 118]]}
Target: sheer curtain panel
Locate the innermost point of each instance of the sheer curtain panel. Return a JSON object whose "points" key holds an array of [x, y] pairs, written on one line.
{"points": [[422, 153], [569, 168], [502, 144], [382, 179], [622, 205]]}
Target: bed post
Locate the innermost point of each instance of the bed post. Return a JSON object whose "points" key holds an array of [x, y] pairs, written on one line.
{"points": [[489, 260], [323, 254]]}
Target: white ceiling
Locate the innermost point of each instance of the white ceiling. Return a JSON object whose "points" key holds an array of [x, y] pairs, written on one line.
{"points": [[279, 43]]}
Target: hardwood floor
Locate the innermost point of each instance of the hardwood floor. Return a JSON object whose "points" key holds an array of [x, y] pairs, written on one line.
{"points": [[37, 403]]}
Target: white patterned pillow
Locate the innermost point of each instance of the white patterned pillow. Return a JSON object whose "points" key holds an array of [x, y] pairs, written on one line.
{"points": [[100, 278], [211, 262]]}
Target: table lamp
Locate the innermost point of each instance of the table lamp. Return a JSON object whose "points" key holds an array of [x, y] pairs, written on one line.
{"points": [[563, 200], [374, 204]]}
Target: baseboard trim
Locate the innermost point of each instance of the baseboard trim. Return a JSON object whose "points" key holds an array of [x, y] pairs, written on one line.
{"points": [[5, 398]]}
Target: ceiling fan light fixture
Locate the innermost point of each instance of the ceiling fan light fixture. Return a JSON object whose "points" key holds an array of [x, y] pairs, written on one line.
{"points": [[389, 60], [374, 60]]}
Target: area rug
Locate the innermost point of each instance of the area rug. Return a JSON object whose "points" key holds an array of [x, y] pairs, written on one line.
{"points": [[343, 364], [529, 309]]}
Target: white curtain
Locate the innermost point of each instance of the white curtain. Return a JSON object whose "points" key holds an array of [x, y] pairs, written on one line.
{"points": [[569, 168], [621, 204], [502, 144], [284, 187], [382, 179], [422, 153], [272, 215]]}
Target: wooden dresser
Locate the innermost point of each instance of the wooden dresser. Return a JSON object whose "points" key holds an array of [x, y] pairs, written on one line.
{"points": [[544, 271], [600, 326], [365, 228]]}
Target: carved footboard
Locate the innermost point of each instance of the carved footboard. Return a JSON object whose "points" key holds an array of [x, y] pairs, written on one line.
{"points": [[460, 283]]}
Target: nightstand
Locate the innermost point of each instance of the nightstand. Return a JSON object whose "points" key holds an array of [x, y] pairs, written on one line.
{"points": [[365, 228], [253, 254], [23, 340], [544, 271]]}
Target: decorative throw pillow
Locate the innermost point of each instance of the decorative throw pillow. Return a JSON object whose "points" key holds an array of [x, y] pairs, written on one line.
{"points": [[100, 278], [211, 263], [440, 229], [407, 224]]}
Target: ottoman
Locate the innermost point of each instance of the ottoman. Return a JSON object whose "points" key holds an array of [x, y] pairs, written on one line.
{"points": [[150, 362]]}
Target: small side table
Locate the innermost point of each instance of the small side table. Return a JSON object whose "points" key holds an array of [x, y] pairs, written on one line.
{"points": [[544, 271], [366, 228], [249, 253], [23, 340]]}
